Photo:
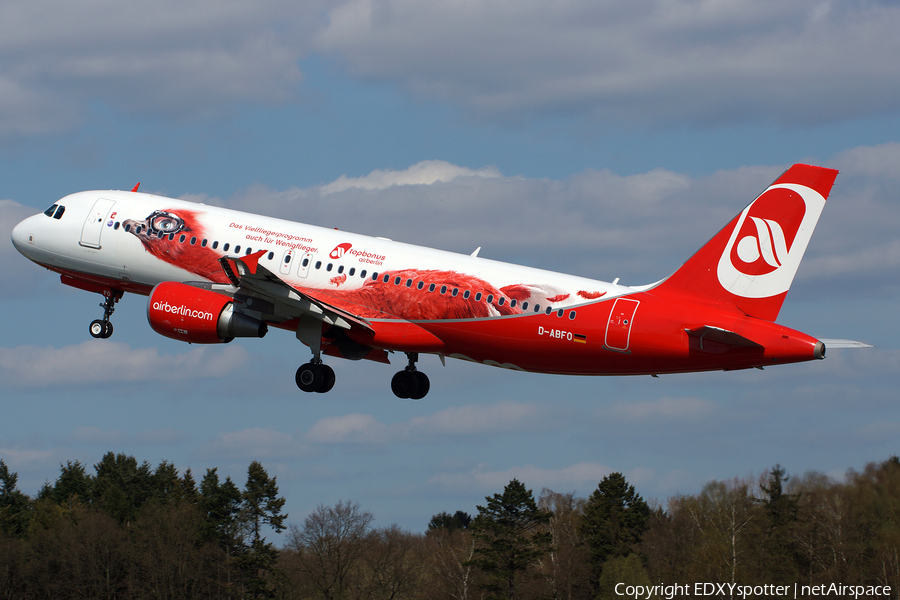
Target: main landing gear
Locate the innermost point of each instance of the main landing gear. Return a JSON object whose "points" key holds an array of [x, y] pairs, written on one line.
{"points": [[315, 376], [410, 383], [103, 328]]}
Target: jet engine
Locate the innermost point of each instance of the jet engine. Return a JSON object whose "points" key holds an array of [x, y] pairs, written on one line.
{"points": [[195, 315]]}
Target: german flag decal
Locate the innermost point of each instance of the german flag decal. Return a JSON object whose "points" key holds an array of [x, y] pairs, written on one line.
{"points": [[581, 339]]}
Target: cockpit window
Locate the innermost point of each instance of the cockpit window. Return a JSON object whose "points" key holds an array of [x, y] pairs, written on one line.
{"points": [[56, 211]]}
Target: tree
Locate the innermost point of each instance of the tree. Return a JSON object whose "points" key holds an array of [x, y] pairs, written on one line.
{"points": [[781, 510], [261, 507], [444, 520], [121, 486], [510, 538], [14, 505], [330, 547], [615, 517]]}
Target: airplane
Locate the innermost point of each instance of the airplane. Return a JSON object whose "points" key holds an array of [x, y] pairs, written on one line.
{"points": [[212, 274]]}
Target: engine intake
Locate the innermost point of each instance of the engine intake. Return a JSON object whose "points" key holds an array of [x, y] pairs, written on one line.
{"points": [[198, 316]]}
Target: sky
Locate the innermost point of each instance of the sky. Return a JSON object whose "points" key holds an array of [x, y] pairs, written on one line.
{"points": [[602, 139]]}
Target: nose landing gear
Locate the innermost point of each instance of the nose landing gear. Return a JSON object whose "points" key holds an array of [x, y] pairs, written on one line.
{"points": [[103, 328]]}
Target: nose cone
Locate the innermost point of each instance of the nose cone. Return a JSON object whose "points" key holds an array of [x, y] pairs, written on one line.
{"points": [[23, 236]]}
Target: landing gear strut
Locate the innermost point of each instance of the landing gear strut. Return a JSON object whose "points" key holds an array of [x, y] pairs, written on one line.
{"points": [[103, 328], [410, 383]]}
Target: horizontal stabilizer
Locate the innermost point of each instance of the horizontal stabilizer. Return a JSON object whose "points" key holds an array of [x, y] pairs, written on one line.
{"points": [[720, 336], [833, 344]]}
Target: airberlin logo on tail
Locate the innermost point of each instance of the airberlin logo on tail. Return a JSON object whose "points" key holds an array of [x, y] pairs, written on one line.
{"points": [[766, 245], [340, 250]]}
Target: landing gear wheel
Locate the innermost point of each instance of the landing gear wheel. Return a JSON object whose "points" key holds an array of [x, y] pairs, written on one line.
{"points": [[328, 379], [405, 384], [98, 329], [424, 386], [310, 377], [107, 330]]}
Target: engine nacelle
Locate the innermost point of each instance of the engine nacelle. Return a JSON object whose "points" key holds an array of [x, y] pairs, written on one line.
{"points": [[190, 314]]}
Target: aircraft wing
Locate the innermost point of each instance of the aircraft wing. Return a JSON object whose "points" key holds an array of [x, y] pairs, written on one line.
{"points": [[264, 292]]}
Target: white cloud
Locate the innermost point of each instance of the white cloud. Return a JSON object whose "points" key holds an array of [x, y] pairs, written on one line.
{"points": [[582, 476], [645, 61], [663, 408], [502, 417], [256, 442], [422, 173], [103, 361], [168, 57]]}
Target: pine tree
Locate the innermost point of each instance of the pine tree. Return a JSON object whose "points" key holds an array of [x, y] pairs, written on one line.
{"points": [[261, 507], [14, 505], [509, 537], [615, 517]]}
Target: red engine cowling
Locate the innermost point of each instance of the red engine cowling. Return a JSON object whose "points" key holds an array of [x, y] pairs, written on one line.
{"points": [[195, 315]]}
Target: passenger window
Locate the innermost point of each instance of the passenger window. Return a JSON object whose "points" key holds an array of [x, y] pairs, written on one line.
{"points": [[247, 251], [387, 278], [318, 264], [225, 247], [409, 283], [559, 313], [490, 298], [524, 306], [341, 269], [466, 294], [443, 289], [375, 276], [193, 240], [171, 237], [396, 281], [501, 301], [160, 235], [362, 274], [328, 267], [215, 244], [203, 244], [237, 249], [549, 309], [287, 258], [180, 239], [431, 287], [305, 262], [512, 303], [137, 230], [352, 271], [478, 297], [420, 285], [116, 226], [455, 292], [272, 255], [537, 308], [572, 316]]}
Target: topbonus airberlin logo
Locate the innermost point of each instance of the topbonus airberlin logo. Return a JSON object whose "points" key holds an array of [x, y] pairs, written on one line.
{"points": [[768, 242]]}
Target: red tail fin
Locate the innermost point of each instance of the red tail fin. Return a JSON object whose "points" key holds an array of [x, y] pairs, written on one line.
{"points": [[751, 263]]}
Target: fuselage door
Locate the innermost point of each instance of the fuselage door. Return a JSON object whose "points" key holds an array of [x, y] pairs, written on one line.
{"points": [[305, 261], [93, 224], [618, 330], [287, 262]]}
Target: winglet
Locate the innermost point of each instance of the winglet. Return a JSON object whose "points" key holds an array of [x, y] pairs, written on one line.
{"points": [[252, 261], [136, 186]]}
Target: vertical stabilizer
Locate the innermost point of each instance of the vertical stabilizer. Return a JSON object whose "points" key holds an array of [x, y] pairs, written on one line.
{"points": [[751, 263]]}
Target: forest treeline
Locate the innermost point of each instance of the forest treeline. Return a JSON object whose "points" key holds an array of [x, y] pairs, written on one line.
{"points": [[128, 530]]}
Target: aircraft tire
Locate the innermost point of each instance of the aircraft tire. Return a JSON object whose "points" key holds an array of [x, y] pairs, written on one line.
{"points": [[328, 379], [107, 330], [97, 329], [424, 386], [310, 377], [405, 384]]}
